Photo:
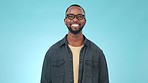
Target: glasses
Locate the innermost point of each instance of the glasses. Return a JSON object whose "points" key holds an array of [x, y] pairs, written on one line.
{"points": [[78, 16]]}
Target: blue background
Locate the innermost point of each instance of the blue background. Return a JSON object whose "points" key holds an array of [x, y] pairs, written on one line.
{"points": [[29, 27]]}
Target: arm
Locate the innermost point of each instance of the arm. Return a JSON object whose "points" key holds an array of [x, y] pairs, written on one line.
{"points": [[46, 70], [103, 72]]}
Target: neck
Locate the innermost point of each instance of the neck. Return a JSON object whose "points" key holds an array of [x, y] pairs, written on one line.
{"points": [[75, 39]]}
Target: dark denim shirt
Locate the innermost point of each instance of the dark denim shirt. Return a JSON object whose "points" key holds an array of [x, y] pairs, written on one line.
{"points": [[58, 64]]}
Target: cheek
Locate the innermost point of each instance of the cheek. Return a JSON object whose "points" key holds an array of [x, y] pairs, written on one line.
{"points": [[67, 23], [83, 22]]}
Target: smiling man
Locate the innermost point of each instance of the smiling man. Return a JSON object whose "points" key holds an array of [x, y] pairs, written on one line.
{"points": [[74, 59]]}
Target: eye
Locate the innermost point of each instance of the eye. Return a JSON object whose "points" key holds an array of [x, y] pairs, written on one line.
{"points": [[80, 16], [70, 16]]}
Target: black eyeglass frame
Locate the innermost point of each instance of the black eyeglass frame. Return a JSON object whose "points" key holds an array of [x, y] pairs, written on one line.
{"points": [[77, 16]]}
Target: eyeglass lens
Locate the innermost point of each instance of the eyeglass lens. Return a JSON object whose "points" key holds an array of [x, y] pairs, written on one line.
{"points": [[78, 16]]}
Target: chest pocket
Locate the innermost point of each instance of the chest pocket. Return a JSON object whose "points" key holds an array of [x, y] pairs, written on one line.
{"points": [[58, 68], [91, 68]]}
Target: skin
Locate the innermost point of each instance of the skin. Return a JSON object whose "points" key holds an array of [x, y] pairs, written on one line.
{"points": [[75, 39]]}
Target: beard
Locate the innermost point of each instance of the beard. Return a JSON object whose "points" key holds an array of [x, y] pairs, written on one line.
{"points": [[75, 31]]}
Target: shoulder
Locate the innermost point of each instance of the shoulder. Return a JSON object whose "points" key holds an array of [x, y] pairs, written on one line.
{"points": [[93, 46], [95, 49], [54, 48]]}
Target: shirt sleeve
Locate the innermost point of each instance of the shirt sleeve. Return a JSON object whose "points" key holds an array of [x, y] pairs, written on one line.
{"points": [[46, 70], [103, 71]]}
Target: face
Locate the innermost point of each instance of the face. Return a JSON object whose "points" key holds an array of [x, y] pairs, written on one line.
{"points": [[75, 19]]}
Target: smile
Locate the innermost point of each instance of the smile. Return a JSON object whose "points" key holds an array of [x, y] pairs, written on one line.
{"points": [[75, 25]]}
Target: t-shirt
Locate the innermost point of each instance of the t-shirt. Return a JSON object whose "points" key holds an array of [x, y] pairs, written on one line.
{"points": [[75, 54]]}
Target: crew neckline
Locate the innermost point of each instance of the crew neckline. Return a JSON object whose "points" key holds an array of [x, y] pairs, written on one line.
{"points": [[75, 46]]}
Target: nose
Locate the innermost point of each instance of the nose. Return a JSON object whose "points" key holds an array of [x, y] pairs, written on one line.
{"points": [[75, 19]]}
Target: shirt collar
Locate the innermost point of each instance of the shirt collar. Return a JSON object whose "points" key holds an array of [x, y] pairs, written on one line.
{"points": [[65, 42]]}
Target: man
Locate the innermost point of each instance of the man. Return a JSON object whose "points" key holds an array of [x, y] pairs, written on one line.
{"points": [[74, 59]]}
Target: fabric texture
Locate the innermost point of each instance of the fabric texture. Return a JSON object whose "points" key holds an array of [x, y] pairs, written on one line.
{"points": [[58, 64], [75, 57]]}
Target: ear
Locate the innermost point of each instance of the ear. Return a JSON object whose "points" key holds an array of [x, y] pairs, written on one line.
{"points": [[65, 20]]}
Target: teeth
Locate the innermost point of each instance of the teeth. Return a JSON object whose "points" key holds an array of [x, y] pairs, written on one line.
{"points": [[74, 25]]}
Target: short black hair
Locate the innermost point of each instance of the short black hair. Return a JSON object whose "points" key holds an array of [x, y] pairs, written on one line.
{"points": [[74, 5]]}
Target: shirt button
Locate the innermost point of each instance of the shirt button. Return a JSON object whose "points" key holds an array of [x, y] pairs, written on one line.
{"points": [[71, 80]]}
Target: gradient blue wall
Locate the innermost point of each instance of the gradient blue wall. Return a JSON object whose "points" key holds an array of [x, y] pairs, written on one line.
{"points": [[29, 27]]}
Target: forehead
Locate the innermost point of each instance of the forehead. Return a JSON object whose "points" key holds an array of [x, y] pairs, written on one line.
{"points": [[75, 10]]}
